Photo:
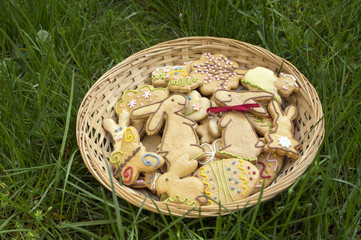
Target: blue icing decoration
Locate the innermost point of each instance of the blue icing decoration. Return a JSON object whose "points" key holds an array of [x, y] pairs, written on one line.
{"points": [[239, 191], [213, 187], [235, 172], [229, 168], [148, 182], [208, 171], [120, 128], [230, 179], [236, 181], [190, 99], [232, 188], [116, 130], [151, 176], [215, 197], [234, 162], [149, 163], [210, 179]]}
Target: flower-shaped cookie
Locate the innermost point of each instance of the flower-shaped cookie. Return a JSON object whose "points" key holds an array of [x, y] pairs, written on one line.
{"points": [[216, 72], [197, 106]]}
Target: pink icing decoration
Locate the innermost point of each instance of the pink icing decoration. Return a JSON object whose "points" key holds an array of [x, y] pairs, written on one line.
{"points": [[272, 160]]}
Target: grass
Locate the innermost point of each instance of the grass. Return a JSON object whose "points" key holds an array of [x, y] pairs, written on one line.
{"points": [[53, 51]]}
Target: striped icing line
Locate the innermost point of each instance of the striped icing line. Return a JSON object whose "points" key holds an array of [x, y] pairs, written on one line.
{"points": [[223, 187], [245, 180], [186, 199], [219, 184], [205, 183], [272, 160], [224, 172]]}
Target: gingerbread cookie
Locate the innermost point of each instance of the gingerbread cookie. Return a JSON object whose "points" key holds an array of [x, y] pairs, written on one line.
{"points": [[162, 75], [239, 138], [216, 72], [269, 165], [280, 139], [179, 135], [228, 180], [117, 129], [203, 131], [133, 158], [261, 78], [142, 96], [176, 78], [262, 125], [178, 188], [197, 106]]}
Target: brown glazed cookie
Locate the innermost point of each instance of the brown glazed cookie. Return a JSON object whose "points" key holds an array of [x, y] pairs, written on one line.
{"points": [[179, 135], [228, 180], [133, 158], [241, 142], [280, 139], [142, 96], [269, 165], [261, 78], [216, 72], [177, 184]]}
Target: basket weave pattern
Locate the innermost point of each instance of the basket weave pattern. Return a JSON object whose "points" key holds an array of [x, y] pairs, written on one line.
{"points": [[96, 144]]}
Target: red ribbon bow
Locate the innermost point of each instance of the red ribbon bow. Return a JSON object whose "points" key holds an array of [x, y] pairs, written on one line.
{"points": [[239, 108]]}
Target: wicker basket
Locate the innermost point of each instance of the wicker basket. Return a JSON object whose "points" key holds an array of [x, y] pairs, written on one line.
{"points": [[96, 144]]}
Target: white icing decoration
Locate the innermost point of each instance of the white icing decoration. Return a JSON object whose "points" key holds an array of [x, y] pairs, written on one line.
{"points": [[197, 107], [147, 94], [132, 103], [212, 153], [284, 142], [155, 179]]}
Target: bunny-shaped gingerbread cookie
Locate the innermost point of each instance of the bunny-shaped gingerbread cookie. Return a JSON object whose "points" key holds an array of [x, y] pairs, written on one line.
{"points": [[280, 139], [239, 138], [187, 190], [117, 130], [179, 135], [133, 158]]}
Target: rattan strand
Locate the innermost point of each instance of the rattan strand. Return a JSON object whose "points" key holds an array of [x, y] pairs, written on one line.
{"points": [[95, 143]]}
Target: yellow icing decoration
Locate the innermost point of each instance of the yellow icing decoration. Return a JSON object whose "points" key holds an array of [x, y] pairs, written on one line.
{"points": [[183, 74], [262, 79], [245, 180], [275, 155], [116, 157], [205, 183], [128, 137], [219, 184], [267, 171], [193, 203], [269, 165], [224, 172], [223, 187], [260, 180], [236, 156]]}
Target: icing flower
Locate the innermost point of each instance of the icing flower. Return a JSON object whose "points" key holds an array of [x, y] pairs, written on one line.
{"points": [[284, 142], [132, 103], [147, 94], [196, 107]]}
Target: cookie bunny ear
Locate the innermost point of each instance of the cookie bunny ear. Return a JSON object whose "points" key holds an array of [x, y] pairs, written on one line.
{"points": [[124, 119], [109, 125], [155, 121], [145, 111], [290, 112], [274, 109]]}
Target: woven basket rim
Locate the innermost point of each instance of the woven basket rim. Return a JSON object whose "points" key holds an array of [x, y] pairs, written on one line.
{"points": [[92, 164]]}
